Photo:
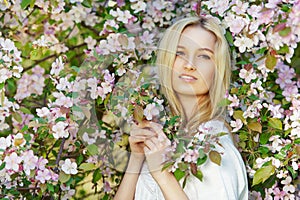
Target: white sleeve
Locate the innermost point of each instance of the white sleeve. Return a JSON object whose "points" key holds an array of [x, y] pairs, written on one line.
{"points": [[225, 182]]}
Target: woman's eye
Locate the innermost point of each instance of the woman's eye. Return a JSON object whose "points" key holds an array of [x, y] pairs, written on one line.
{"points": [[179, 53], [204, 56]]}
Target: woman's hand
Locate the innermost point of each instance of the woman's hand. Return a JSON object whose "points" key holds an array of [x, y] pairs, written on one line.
{"points": [[156, 148], [138, 135]]}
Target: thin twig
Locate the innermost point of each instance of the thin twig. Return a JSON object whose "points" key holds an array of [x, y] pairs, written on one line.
{"points": [[52, 56], [60, 151]]}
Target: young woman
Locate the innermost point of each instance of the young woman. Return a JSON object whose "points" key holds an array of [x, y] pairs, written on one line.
{"points": [[194, 68]]}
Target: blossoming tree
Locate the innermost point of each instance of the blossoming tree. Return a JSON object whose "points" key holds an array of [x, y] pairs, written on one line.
{"points": [[61, 60]]}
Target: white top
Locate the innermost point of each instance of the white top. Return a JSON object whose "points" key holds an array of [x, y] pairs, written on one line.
{"points": [[225, 182]]}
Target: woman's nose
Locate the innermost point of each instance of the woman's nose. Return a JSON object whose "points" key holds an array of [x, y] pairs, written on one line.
{"points": [[188, 66]]}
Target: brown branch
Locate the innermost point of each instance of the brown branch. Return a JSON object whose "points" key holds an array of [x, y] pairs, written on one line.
{"points": [[34, 8], [29, 188], [90, 28], [60, 151], [52, 56]]}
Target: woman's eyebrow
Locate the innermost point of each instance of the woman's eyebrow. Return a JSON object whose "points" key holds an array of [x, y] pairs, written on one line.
{"points": [[206, 49], [200, 49]]}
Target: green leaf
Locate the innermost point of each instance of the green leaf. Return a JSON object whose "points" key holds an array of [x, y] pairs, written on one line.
{"points": [[275, 123], [284, 49], [2, 85], [263, 150], [229, 37], [261, 51], [50, 187], [293, 172], [11, 85], [255, 126], [183, 166], [201, 161], [264, 138], [224, 102], [285, 32], [63, 177], [92, 149], [96, 175], [167, 165], [75, 68], [27, 137], [180, 147], [25, 3], [36, 54], [138, 114], [25, 128], [238, 114], [270, 61], [2, 166], [25, 110], [179, 174], [87, 166], [106, 196], [17, 117], [87, 3], [262, 174], [215, 157], [60, 119], [199, 175], [80, 158]]}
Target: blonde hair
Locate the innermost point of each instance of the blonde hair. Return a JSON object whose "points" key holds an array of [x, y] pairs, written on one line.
{"points": [[209, 107]]}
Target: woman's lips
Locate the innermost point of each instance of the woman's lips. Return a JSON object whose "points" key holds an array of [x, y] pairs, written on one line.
{"points": [[187, 78]]}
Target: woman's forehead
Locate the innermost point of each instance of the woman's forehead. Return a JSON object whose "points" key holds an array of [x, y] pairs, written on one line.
{"points": [[195, 37]]}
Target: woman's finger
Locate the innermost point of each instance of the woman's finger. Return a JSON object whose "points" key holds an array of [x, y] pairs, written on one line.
{"points": [[150, 144], [142, 132], [136, 139]]}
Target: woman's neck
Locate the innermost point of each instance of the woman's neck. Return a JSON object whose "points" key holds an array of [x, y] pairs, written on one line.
{"points": [[189, 103]]}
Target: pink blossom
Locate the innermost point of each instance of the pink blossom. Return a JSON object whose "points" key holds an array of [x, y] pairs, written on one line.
{"points": [[41, 163], [217, 6], [57, 66], [272, 4], [191, 155], [64, 84], [139, 6], [43, 175], [122, 16], [90, 42], [240, 7], [30, 161], [237, 25], [7, 45], [248, 75], [237, 125], [243, 43], [290, 91], [235, 102], [62, 100], [30, 83], [147, 38], [5, 142], [276, 143], [276, 111], [69, 167], [151, 111], [288, 187], [59, 130], [12, 162], [42, 112], [254, 10]]}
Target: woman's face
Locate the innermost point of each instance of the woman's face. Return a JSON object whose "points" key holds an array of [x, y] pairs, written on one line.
{"points": [[194, 66]]}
